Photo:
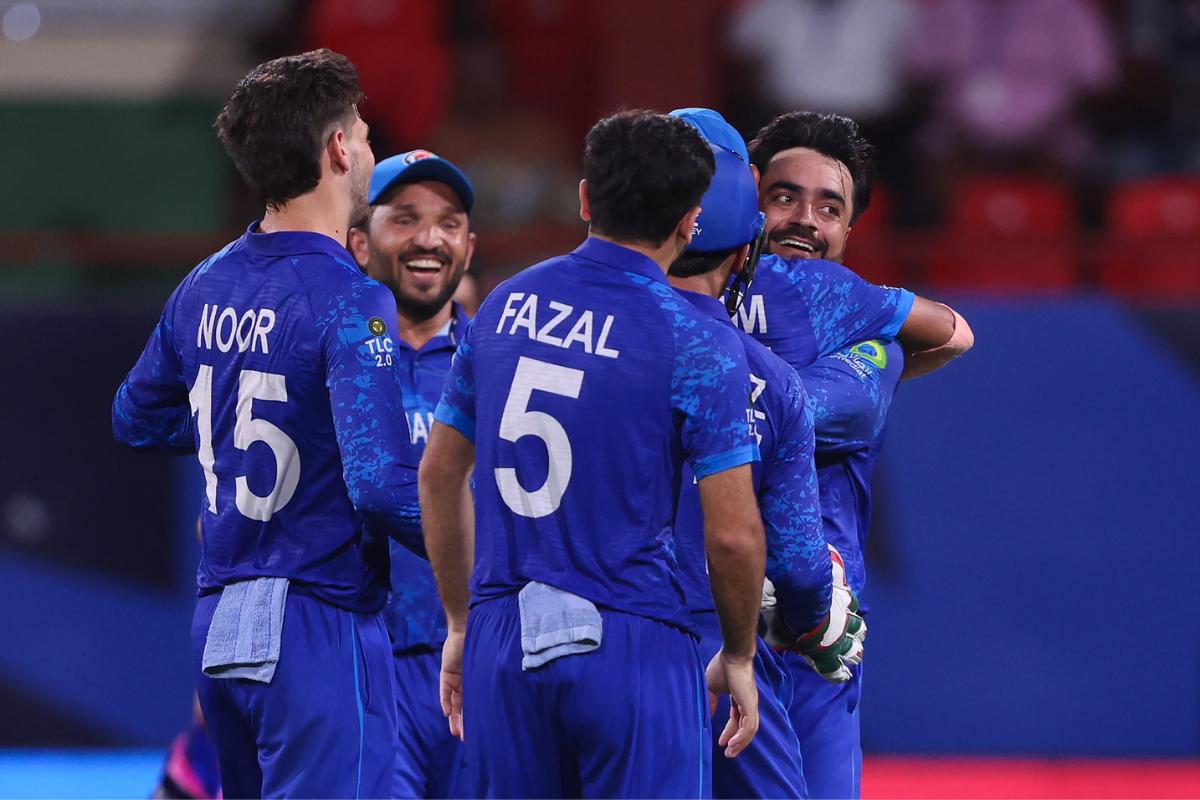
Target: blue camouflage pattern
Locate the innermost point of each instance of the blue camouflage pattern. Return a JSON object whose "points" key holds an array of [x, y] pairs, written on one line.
{"points": [[851, 393], [283, 311], [654, 386], [785, 481], [415, 615], [803, 309]]}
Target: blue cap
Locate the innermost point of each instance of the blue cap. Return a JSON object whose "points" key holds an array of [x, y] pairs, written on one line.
{"points": [[714, 128], [419, 165], [729, 215]]}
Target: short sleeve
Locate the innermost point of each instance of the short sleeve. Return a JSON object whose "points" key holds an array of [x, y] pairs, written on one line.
{"points": [[710, 394], [845, 309], [457, 406]]}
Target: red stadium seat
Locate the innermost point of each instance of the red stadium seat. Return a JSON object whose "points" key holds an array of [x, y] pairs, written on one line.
{"points": [[1007, 234], [871, 251], [1152, 250], [1157, 206], [1003, 264], [1009, 206]]}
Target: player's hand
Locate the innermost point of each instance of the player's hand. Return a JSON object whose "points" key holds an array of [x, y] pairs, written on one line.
{"points": [[451, 681], [735, 677], [834, 645]]}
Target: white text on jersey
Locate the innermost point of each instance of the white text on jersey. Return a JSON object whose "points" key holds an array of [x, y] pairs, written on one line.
{"points": [[752, 315], [581, 331], [226, 327]]}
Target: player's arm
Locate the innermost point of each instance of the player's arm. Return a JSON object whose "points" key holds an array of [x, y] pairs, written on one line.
{"points": [[449, 516], [710, 388], [846, 309], [151, 409], [843, 401], [933, 335], [378, 461], [798, 563]]}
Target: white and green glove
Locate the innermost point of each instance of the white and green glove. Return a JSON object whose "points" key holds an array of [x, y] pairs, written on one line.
{"points": [[835, 644]]}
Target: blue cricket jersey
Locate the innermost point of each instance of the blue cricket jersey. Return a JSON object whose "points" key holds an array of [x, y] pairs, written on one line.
{"points": [[585, 382], [415, 615], [851, 393], [274, 362], [806, 308], [785, 481]]}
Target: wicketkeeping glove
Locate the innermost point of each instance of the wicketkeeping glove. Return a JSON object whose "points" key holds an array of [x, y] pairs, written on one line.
{"points": [[835, 644]]}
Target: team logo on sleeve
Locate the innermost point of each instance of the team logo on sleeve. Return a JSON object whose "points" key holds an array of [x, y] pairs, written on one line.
{"points": [[376, 326]]}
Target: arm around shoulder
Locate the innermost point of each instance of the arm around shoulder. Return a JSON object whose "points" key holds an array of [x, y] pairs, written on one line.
{"points": [[933, 335]]}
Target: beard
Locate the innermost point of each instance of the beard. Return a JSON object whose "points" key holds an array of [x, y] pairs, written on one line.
{"points": [[360, 186], [420, 309]]}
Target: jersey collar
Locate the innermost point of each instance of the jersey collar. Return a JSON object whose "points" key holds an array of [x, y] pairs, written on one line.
{"points": [[292, 243], [710, 306], [449, 335], [618, 257]]}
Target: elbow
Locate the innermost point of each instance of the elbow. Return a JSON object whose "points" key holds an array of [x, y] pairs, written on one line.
{"points": [[742, 543], [963, 338]]}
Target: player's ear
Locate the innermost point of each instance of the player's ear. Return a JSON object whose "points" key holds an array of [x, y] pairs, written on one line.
{"points": [[470, 251], [585, 210], [339, 152], [356, 243], [757, 175], [739, 261], [687, 226]]}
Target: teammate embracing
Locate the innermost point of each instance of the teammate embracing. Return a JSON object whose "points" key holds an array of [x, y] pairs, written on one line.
{"points": [[581, 389], [727, 236], [816, 179]]}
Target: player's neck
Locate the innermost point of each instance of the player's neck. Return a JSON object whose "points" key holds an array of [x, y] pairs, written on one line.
{"points": [[711, 283], [664, 254], [318, 211], [417, 333]]}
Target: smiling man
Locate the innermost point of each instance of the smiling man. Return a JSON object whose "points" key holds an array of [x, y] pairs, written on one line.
{"points": [[816, 174], [417, 241], [816, 181]]}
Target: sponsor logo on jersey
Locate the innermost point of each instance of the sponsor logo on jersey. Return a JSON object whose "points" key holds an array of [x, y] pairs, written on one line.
{"points": [[872, 351], [377, 326]]}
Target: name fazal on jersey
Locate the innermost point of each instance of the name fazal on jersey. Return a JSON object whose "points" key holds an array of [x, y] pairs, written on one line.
{"points": [[563, 325]]}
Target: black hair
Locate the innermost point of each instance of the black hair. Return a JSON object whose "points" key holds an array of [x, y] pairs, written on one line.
{"points": [[831, 135], [278, 117], [644, 172], [690, 264]]}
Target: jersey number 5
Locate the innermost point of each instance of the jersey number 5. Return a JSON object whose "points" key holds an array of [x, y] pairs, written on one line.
{"points": [[252, 385], [518, 421]]}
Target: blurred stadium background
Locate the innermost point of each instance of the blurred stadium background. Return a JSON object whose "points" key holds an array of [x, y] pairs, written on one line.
{"points": [[1037, 550]]}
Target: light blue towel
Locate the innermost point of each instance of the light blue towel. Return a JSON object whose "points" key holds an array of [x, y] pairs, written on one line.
{"points": [[243, 637], [555, 623]]}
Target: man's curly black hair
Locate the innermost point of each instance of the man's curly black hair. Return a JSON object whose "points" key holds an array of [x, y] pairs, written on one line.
{"points": [[831, 135], [644, 172]]}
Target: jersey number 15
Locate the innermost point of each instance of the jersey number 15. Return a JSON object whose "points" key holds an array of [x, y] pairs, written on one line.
{"points": [[252, 385]]}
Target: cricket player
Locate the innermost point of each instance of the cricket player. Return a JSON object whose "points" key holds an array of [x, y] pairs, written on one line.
{"points": [[816, 181], [729, 233], [417, 241], [583, 386], [850, 393], [273, 362]]}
